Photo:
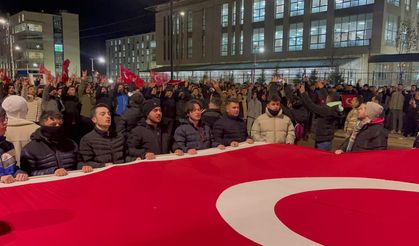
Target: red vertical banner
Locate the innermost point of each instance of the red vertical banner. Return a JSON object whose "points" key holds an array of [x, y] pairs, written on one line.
{"points": [[65, 75]]}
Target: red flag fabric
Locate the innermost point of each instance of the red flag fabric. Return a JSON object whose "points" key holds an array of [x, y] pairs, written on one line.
{"points": [[65, 75], [309, 197], [158, 78], [128, 77], [347, 100], [4, 77], [176, 82], [44, 70]]}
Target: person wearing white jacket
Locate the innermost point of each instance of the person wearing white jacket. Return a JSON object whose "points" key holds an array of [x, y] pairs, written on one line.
{"points": [[19, 130]]}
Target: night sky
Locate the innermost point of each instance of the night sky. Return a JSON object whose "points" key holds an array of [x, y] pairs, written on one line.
{"points": [[96, 18]]}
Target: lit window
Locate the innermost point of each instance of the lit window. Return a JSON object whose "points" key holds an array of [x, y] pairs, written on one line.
{"points": [[297, 7], [354, 30], [279, 9], [242, 12], [278, 42], [189, 21], [189, 54], [258, 40], [234, 11], [318, 34], [407, 5], [258, 10], [241, 42], [224, 44], [341, 4], [318, 6], [233, 45], [224, 15], [394, 2], [390, 34], [296, 37]]}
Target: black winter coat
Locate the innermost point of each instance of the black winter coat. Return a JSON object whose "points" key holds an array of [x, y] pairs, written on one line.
{"points": [[370, 137], [210, 116], [168, 107], [98, 148], [229, 129], [145, 138], [188, 137], [42, 157], [72, 107], [326, 118], [129, 119]]}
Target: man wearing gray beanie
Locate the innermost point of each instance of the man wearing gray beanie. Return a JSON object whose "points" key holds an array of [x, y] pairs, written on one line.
{"points": [[369, 133]]}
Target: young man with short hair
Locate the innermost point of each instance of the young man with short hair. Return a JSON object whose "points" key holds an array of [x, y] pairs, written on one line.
{"points": [[231, 129], [103, 146]]}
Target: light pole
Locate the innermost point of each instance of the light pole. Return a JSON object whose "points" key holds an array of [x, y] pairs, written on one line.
{"points": [[171, 39], [9, 34], [257, 49], [368, 62]]}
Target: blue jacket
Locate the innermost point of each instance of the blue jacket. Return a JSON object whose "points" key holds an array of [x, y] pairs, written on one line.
{"points": [[121, 103], [7, 158]]}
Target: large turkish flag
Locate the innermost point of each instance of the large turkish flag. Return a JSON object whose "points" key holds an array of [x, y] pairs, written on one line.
{"points": [[266, 194]]}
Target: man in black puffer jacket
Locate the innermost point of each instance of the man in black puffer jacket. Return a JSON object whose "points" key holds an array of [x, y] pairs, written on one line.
{"points": [[326, 117], [231, 129], [151, 137], [103, 146], [50, 151]]}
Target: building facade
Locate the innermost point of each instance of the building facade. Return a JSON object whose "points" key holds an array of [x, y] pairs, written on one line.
{"points": [[136, 53], [41, 38], [237, 37]]}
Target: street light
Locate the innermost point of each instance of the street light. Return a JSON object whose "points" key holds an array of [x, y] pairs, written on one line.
{"points": [[17, 48], [260, 50], [100, 59]]}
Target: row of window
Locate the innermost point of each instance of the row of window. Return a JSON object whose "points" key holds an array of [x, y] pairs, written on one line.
{"points": [[349, 31], [296, 8], [135, 40]]}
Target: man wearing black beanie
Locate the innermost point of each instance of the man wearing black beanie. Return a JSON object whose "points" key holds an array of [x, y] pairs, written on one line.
{"points": [[151, 137]]}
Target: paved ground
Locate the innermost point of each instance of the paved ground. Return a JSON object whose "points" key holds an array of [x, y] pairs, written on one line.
{"points": [[395, 141]]}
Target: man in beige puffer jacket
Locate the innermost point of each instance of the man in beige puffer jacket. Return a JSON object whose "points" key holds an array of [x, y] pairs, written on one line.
{"points": [[273, 126]]}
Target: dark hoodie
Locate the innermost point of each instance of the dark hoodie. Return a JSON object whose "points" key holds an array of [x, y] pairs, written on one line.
{"points": [[41, 156], [326, 118]]}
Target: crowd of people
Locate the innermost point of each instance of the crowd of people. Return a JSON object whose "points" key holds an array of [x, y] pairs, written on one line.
{"points": [[53, 128]]}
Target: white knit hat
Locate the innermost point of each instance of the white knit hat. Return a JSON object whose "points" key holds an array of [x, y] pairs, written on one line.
{"points": [[15, 106], [373, 110]]}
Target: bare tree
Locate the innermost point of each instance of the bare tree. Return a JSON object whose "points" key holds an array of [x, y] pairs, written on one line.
{"points": [[406, 40]]}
